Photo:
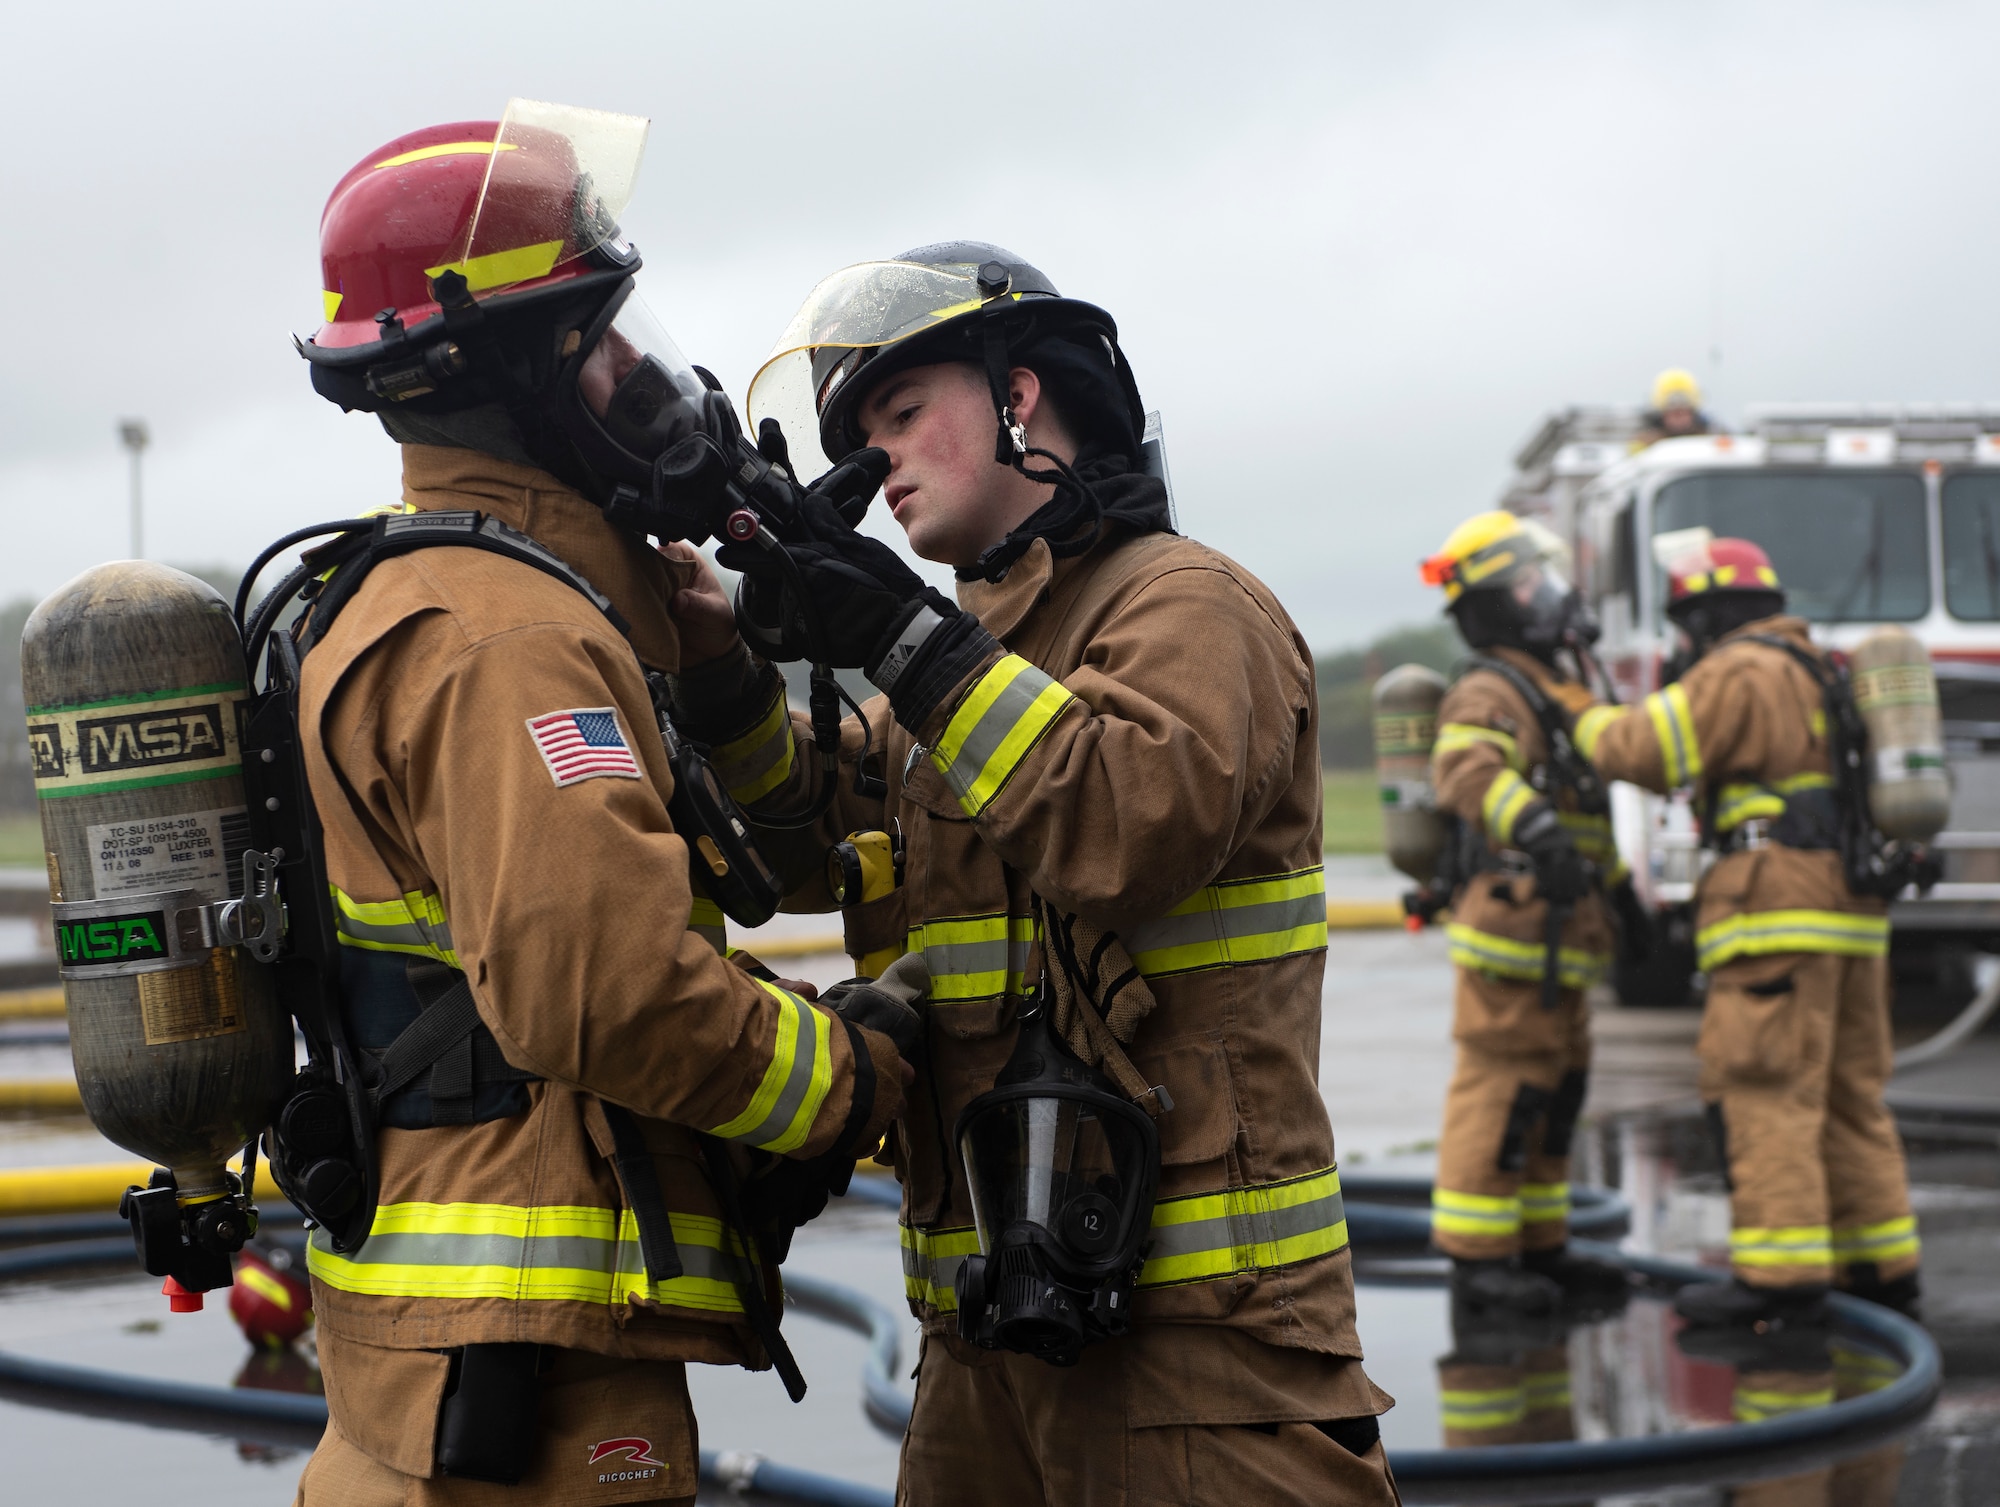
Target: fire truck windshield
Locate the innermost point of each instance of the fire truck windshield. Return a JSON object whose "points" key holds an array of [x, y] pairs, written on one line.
{"points": [[1850, 546], [1972, 546]]}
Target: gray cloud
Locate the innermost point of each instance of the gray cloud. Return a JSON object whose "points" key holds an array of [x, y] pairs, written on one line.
{"points": [[1355, 250]]}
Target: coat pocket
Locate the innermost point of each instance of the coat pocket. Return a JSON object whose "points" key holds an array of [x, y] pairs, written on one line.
{"points": [[1753, 1029], [1201, 1127], [385, 1402]]}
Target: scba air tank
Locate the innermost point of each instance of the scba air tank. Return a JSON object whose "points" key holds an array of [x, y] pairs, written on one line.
{"points": [[1406, 713], [1909, 789], [132, 674]]}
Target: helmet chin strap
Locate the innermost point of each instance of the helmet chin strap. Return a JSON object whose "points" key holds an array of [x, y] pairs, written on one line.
{"points": [[1010, 442]]}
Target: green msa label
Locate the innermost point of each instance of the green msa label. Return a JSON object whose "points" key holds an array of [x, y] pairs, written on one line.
{"points": [[137, 937]]}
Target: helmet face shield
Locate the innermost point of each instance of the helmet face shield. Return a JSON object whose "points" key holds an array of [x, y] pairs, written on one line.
{"points": [[838, 330], [626, 395]]}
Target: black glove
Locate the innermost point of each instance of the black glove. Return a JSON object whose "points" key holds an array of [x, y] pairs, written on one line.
{"points": [[1560, 872], [873, 612], [885, 1005]]}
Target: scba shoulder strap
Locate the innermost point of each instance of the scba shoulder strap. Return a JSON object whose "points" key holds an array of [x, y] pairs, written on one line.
{"points": [[1567, 769]]}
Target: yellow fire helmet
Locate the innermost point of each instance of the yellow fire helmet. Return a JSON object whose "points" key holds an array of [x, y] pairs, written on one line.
{"points": [[1491, 550], [1676, 388]]}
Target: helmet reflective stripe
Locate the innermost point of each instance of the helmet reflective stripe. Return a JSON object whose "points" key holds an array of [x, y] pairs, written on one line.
{"points": [[446, 149]]}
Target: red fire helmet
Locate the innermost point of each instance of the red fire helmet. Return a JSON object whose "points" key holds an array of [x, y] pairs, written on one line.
{"points": [[515, 207], [1720, 565], [269, 1302]]}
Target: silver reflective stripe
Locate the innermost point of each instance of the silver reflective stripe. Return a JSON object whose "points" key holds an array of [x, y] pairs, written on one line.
{"points": [[528, 1252], [1245, 1228], [920, 627], [1224, 926]]}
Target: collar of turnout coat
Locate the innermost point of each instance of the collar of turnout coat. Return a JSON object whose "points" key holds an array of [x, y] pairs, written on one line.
{"points": [[636, 578], [1782, 626]]}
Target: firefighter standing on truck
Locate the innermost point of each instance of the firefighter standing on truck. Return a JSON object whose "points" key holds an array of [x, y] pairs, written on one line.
{"points": [[1794, 1044], [1530, 927], [1104, 764], [552, 1243]]}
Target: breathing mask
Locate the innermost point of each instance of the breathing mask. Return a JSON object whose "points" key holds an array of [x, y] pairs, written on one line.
{"points": [[1062, 1170]]}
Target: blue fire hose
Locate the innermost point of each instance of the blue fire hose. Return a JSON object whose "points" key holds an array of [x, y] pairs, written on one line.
{"points": [[1494, 1473]]}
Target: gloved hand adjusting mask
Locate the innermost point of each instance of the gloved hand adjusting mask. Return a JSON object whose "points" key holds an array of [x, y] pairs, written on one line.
{"points": [[1063, 1171]]}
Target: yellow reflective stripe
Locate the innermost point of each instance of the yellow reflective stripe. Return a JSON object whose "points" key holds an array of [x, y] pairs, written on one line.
{"points": [[413, 924], [1861, 1370], [1234, 922], [498, 269], [1542, 1203], [1487, 1408], [1547, 1389], [1781, 1246], [758, 762], [995, 727], [706, 920], [1455, 1213], [1673, 725], [975, 957], [1890, 1240], [1740, 802], [1204, 1237], [931, 1259], [329, 303], [1590, 726], [1456, 737], [446, 149], [780, 1115], [1761, 933], [1506, 799], [1793, 784], [550, 1253], [1751, 1404], [1503, 957], [1209, 1236]]}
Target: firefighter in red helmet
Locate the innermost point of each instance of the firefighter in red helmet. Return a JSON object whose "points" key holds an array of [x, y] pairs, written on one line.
{"points": [[1794, 1041], [576, 1187]]}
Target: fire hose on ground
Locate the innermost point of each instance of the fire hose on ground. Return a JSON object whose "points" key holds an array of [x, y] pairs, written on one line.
{"points": [[74, 1242]]}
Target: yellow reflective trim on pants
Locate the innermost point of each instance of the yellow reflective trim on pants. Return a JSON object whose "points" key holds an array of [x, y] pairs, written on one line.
{"points": [[780, 1115], [1456, 737], [414, 924], [1455, 1213], [1856, 1371], [1547, 1389], [1486, 1408], [1203, 1237], [758, 762], [1506, 799], [550, 1253], [1673, 725], [1590, 726], [1234, 922], [1890, 1240], [1544, 1203], [1752, 1404], [1781, 1246], [1503, 957], [975, 957], [1761, 933], [995, 727]]}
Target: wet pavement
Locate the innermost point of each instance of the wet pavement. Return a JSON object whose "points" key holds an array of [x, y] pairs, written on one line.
{"points": [[1385, 1056]]}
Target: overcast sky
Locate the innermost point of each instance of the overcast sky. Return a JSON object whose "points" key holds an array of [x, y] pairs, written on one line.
{"points": [[1355, 250]]}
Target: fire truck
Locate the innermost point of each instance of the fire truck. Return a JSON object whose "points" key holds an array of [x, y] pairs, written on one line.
{"points": [[1872, 515]]}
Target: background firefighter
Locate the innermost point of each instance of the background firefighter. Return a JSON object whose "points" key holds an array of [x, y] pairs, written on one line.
{"points": [[1794, 1044], [1103, 758], [554, 1240], [1532, 848]]}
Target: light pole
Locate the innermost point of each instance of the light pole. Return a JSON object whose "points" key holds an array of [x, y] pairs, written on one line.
{"points": [[133, 433]]}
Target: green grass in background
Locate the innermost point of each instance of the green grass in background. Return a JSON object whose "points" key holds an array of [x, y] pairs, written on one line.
{"points": [[1353, 811], [21, 841]]}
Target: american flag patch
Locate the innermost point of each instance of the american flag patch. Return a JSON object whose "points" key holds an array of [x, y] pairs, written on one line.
{"points": [[583, 743]]}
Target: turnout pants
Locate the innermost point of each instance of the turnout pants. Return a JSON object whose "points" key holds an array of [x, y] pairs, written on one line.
{"points": [[1794, 1055], [611, 1431], [1503, 1156], [1525, 1400], [992, 1429]]}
